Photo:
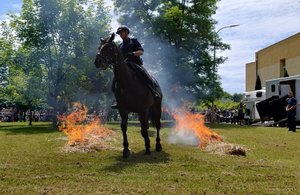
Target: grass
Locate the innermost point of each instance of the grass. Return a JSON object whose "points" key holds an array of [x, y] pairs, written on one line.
{"points": [[31, 162]]}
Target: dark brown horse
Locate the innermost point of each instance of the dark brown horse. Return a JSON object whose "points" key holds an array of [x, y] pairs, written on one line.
{"points": [[132, 93]]}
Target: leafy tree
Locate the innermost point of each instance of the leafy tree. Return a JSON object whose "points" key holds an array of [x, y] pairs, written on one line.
{"points": [[64, 36], [237, 97], [24, 81], [6, 52], [29, 81], [222, 104], [226, 95], [179, 41], [226, 105]]}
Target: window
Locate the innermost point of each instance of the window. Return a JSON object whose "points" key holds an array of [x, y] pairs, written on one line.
{"points": [[273, 88], [258, 94], [282, 68]]}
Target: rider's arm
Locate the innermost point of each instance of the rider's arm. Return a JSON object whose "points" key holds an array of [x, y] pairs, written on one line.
{"points": [[138, 53], [139, 49]]}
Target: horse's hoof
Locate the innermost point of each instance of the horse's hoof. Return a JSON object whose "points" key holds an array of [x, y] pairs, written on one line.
{"points": [[126, 153], [148, 151], [158, 148]]}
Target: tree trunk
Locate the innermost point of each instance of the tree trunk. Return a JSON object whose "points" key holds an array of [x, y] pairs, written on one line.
{"points": [[213, 113], [54, 117], [30, 117], [55, 110]]}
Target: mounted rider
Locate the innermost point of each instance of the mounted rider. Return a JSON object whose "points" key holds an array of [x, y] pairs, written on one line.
{"points": [[132, 50], [130, 47]]}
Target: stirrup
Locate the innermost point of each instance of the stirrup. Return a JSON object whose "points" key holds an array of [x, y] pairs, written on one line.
{"points": [[115, 106], [156, 96]]}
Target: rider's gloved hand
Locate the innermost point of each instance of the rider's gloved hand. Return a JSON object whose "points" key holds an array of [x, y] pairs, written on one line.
{"points": [[130, 54]]}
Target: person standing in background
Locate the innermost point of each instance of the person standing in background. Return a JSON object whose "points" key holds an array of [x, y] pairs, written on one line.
{"points": [[291, 111]]}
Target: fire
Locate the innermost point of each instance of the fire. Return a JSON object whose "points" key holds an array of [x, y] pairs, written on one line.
{"points": [[194, 122], [79, 129]]}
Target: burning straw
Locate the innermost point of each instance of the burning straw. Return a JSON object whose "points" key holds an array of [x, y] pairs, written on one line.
{"points": [[84, 135], [223, 148], [190, 129], [193, 123]]}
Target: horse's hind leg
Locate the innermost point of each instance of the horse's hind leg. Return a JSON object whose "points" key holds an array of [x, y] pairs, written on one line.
{"points": [[124, 117], [144, 131], [156, 115], [158, 146]]}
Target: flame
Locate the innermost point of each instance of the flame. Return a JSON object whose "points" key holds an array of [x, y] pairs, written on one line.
{"points": [[79, 128], [194, 122]]}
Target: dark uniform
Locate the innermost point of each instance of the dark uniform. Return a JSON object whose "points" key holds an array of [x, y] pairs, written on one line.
{"points": [[291, 114], [128, 47]]}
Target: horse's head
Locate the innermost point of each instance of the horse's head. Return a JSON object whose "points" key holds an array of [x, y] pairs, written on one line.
{"points": [[106, 53]]}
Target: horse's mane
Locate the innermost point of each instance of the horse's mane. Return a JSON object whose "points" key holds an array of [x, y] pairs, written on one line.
{"points": [[118, 50]]}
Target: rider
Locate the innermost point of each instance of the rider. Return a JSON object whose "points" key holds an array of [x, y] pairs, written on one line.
{"points": [[132, 50]]}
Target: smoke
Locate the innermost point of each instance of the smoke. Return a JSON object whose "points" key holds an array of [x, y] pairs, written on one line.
{"points": [[161, 57], [163, 61], [183, 137], [160, 61]]}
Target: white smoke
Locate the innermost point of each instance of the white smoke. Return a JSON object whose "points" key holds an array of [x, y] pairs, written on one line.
{"points": [[184, 137]]}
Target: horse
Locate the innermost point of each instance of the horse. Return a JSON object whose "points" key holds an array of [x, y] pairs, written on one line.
{"points": [[132, 93]]}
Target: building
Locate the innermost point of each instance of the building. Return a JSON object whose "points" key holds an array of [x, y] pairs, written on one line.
{"points": [[278, 60]]}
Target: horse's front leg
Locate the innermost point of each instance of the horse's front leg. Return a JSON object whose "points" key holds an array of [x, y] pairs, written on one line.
{"points": [[124, 117], [144, 131]]}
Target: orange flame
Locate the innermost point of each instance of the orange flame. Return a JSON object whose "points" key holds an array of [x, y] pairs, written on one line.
{"points": [[79, 129], [194, 122]]}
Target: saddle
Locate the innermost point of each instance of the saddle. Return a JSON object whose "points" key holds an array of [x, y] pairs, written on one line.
{"points": [[149, 80], [145, 77]]}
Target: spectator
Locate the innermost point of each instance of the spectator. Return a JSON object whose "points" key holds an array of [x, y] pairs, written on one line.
{"points": [[235, 116], [291, 111], [241, 114], [247, 117]]}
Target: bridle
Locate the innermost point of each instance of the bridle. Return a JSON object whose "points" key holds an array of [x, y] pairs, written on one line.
{"points": [[107, 59], [110, 60]]}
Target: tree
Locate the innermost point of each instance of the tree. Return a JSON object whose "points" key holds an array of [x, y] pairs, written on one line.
{"points": [[64, 35], [257, 83], [24, 80], [237, 97], [286, 74], [29, 81], [179, 41], [6, 52]]}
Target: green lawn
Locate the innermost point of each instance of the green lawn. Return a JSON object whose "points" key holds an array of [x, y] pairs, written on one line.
{"points": [[31, 162]]}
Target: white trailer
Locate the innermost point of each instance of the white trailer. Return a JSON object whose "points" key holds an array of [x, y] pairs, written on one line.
{"points": [[250, 99], [276, 93]]}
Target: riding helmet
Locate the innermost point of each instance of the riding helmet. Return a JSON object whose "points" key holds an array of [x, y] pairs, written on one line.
{"points": [[123, 27]]}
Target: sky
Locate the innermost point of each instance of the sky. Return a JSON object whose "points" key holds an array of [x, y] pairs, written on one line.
{"points": [[261, 24], [9, 5]]}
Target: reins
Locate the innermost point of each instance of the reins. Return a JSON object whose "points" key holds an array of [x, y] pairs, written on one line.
{"points": [[110, 60]]}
